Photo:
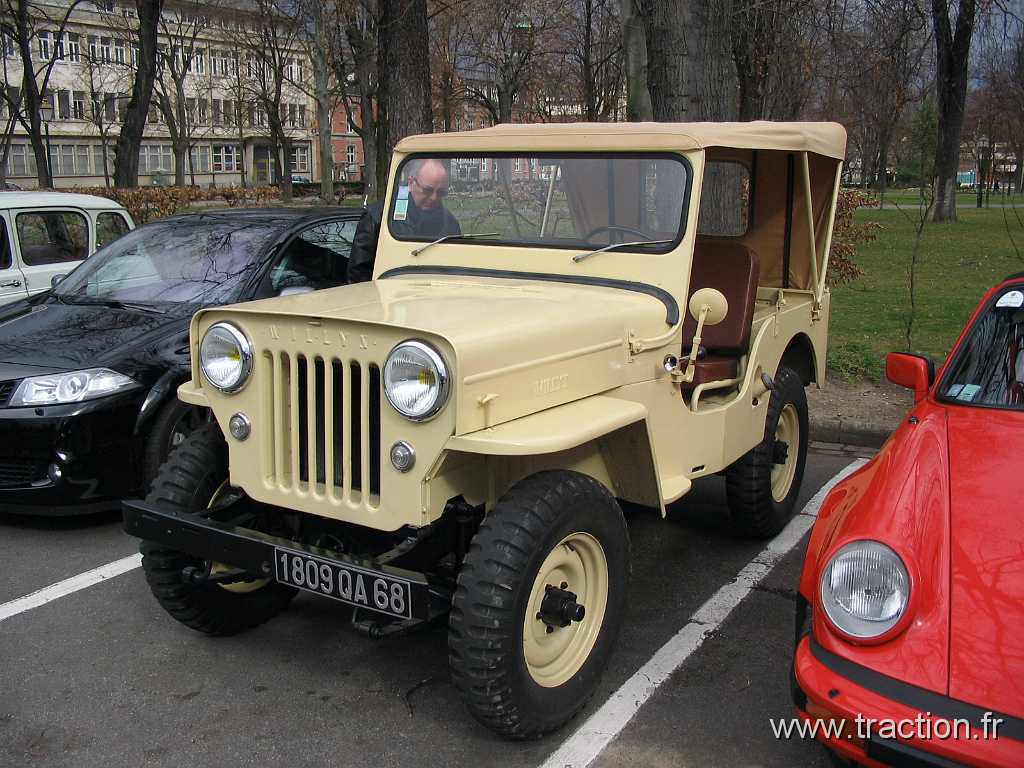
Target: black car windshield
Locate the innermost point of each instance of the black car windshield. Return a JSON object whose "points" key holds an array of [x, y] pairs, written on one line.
{"points": [[581, 202], [196, 261], [989, 366]]}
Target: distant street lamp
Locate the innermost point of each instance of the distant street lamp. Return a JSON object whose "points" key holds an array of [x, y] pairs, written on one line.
{"points": [[46, 113]]}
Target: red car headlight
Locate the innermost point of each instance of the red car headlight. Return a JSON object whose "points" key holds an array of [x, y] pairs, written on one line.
{"points": [[865, 589]]}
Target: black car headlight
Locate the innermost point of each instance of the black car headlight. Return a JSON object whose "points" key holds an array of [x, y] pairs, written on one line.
{"points": [[865, 589], [73, 387], [225, 356], [416, 380]]}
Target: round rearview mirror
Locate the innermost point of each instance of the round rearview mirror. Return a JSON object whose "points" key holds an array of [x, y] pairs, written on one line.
{"points": [[56, 279], [718, 305]]}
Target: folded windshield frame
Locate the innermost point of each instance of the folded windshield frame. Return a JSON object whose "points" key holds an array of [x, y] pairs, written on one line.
{"points": [[575, 245]]}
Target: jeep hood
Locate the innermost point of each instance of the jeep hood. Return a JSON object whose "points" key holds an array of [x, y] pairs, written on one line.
{"points": [[520, 345]]}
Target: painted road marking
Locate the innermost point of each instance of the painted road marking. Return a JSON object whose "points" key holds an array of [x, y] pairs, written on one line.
{"points": [[69, 586], [591, 738]]}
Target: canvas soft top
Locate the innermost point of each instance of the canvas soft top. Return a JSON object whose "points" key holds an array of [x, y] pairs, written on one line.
{"points": [[826, 139]]}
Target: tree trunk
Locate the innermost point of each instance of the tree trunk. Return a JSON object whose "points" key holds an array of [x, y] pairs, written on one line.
{"points": [[321, 85], [30, 96], [404, 64], [668, 56], [126, 159], [952, 50], [634, 41], [180, 148], [283, 163]]}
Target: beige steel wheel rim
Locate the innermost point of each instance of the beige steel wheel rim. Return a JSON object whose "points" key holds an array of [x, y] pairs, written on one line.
{"points": [[787, 431], [579, 562], [243, 586]]}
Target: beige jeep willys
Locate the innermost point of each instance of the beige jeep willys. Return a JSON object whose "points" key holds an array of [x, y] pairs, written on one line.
{"points": [[627, 308]]}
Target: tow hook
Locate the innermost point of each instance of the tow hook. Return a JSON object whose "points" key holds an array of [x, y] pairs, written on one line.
{"points": [[195, 576], [559, 608], [780, 452]]}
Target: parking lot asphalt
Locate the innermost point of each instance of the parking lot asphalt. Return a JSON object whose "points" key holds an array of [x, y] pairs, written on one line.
{"points": [[103, 677]]}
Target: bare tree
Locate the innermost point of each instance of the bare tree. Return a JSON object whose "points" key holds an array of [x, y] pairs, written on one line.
{"points": [[102, 83], [952, 54], [594, 54], [269, 41], [317, 32], [126, 158], [27, 23], [449, 40]]}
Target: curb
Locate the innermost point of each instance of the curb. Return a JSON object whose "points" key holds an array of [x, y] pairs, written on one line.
{"points": [[848, 432]]}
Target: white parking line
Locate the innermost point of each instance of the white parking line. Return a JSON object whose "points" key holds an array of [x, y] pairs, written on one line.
{"points": [[66, 587], [591, 738]]}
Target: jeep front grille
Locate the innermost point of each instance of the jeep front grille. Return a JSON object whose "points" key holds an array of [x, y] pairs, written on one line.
{"points": [[322, 417]]}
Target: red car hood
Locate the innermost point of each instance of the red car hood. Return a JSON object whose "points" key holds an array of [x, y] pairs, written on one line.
{"points": [[986, 460]]}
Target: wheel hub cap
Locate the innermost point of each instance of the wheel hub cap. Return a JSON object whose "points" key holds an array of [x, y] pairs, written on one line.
{"points": [[785, 452], [565, 609]]}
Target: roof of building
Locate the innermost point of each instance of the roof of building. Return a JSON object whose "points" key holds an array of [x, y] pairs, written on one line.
{"points": [[54, 199], [828, 139]]}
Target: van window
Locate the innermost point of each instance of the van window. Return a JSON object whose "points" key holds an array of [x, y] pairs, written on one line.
{"points": [[52, 237], [109, 227], [5, 247]]}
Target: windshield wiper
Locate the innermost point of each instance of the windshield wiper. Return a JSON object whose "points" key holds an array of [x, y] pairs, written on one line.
{"points": [[472, 236], [112, 303], [581, 256]]}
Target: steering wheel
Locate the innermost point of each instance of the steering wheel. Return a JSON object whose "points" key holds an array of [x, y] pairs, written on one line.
{"points": [[616, 228]]}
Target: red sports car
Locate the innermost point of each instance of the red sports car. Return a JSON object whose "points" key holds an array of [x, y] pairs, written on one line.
{"points": [[910, 617]]}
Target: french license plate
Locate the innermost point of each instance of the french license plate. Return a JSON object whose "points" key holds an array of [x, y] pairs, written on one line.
{"points": [[348, 583]]}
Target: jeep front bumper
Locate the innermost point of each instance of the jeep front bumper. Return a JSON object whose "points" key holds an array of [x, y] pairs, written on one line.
{"points": [[353, 580]]}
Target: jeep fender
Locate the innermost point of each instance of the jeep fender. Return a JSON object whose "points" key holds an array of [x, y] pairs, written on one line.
{"points": [[601, 436]]}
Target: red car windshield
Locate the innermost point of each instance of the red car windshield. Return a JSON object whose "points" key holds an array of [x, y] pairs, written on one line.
{"points": [[989, 366]]}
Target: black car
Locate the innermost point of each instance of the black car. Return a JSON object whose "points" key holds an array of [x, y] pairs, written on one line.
{"points": [[89, 369]]}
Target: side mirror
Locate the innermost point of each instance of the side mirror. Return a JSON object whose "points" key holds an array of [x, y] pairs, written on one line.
{"points": [[55, 280], [915, 372], [716, 303]]}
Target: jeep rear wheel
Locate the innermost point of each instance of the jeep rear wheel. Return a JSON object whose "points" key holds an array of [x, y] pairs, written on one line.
{"points": [[539, 603], [763, 485], [194, 475]]}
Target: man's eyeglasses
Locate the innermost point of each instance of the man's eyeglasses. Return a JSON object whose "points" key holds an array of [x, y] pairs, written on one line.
{"points": [[431, 191]]}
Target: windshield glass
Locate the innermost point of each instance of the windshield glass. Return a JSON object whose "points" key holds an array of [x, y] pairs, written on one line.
{"points": [[196, 261], [579, 202], [989, 367]]}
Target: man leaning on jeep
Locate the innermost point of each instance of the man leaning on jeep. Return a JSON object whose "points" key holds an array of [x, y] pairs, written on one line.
{"points": [[425, 216]]}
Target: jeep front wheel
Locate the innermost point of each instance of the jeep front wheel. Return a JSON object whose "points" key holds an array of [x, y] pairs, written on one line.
{"points": [[762, 485], [539, 603], [191, 479]]}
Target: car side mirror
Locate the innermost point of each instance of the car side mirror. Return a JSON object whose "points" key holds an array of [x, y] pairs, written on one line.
{"points": [[712, 302], [915, 372], [295, 290], [55, 280]]}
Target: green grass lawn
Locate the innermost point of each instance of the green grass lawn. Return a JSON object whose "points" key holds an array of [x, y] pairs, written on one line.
{"points": [[957, 263]]}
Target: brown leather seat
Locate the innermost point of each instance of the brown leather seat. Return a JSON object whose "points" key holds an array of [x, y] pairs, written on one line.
{"points": [[732, 268]]}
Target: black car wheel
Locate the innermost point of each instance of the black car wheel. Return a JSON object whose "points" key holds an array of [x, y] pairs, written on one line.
{"points": [[191, 480]]}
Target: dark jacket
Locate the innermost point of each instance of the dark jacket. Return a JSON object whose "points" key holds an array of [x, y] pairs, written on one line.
{"points": [[417, 223]]}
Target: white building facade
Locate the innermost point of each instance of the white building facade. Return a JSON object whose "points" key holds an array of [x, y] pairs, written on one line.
{"points": [[91, 82]]}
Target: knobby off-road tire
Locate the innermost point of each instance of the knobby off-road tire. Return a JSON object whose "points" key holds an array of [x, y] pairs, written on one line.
{"points": [[761, 492], [175, 420], [517, 676], [194, 473]]}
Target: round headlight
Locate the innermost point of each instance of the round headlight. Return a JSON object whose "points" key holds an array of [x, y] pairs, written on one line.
{"points": [[865, 589], [226, 357], [415, 380]]}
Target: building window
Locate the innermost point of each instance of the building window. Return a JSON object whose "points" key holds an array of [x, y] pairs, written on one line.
{"points": [[483, 165], [215, 109], [44, 45], [200, 159], [518, 162], [71, 160], [74, 48], [94, 48], [302, 115], [300, 159], [226, 158], [7, 45], [105, 50], [199, 61], [155, 158], [21, 161], [119, 52], [64, 105], [201, 114], [350, 154], [58, 41], [78, 105]]}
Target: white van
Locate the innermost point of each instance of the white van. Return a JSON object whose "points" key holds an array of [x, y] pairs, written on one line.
{"points": [[47, 234]]}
